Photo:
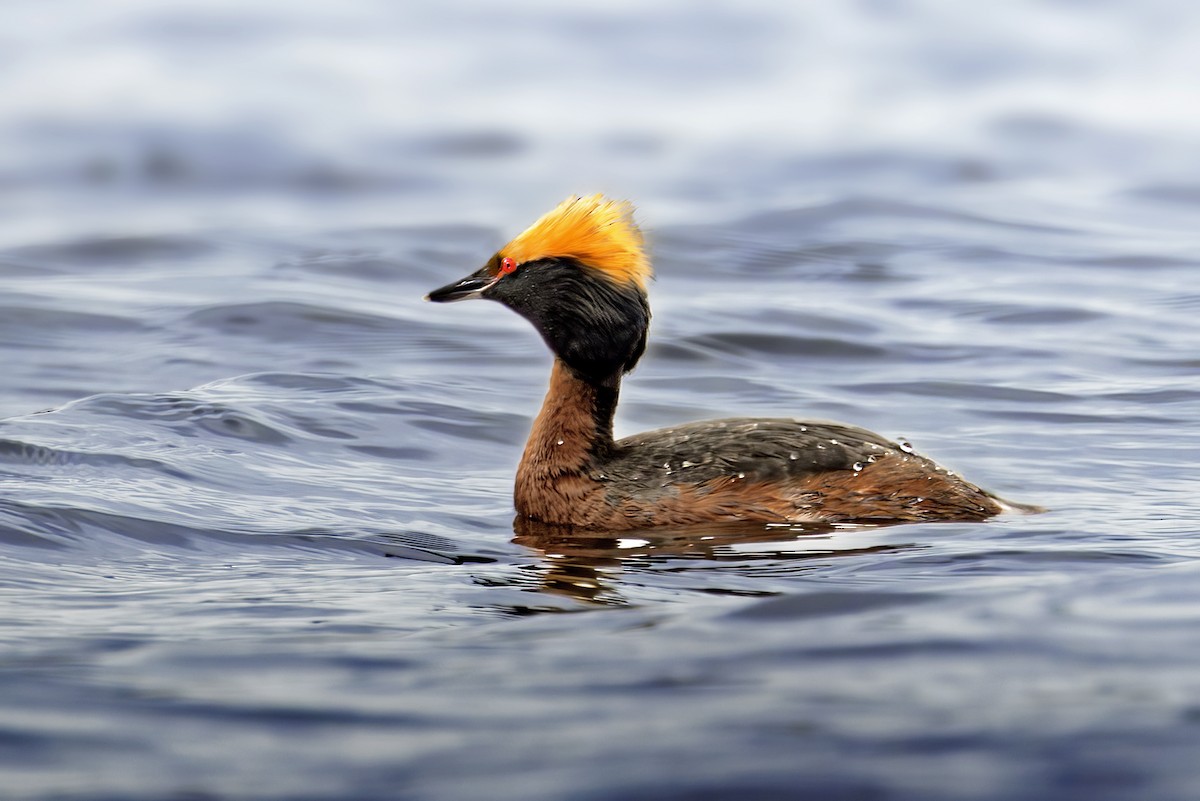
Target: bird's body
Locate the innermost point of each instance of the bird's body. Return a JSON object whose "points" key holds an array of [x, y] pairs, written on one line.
{"points": [[579, 276]]}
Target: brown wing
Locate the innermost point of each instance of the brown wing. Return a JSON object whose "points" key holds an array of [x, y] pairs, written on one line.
{"points": [[767, 449], [779, 470]]}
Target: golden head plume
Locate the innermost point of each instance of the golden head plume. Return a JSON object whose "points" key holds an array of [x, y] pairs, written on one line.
{"points": [[596, 231]]}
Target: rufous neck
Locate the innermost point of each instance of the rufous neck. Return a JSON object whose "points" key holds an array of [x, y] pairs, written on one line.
{"points": [[576, 419]]}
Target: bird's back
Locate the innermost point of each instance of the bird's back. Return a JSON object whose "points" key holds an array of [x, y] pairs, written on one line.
{"points": [[780, 470]]}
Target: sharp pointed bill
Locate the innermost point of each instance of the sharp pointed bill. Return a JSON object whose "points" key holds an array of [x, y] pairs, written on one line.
{"points": [[470, 287]]}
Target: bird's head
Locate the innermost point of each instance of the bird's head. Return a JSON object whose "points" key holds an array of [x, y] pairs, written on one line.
{"points": [[579, 275]]}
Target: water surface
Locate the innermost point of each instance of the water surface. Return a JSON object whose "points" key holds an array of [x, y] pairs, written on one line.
{"points": [[256, 532]]}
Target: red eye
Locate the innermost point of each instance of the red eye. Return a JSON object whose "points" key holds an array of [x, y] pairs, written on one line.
{"points": [[507, 265]]}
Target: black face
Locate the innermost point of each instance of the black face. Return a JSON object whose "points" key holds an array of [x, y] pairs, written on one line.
{"points": [[597, 327]]}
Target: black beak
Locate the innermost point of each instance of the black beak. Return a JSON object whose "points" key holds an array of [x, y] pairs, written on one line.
{"points": [[470, 287]]}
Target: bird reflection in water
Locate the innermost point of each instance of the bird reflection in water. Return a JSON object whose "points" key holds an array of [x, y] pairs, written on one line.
{"points": [[586, 565]]}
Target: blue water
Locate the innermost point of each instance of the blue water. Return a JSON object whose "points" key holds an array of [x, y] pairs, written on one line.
{"points": [[256, 533]]}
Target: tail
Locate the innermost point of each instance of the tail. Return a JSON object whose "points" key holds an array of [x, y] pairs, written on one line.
{"points": [[1007, 506]]}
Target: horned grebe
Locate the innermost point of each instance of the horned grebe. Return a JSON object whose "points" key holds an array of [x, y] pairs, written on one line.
{"points": [[579, 275]]}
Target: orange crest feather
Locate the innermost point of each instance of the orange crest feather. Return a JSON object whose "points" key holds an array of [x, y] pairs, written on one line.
{"points": [[596, 231]]}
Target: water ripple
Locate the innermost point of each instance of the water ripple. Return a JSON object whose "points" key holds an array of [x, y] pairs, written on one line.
{"points": [[118, 251]]}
